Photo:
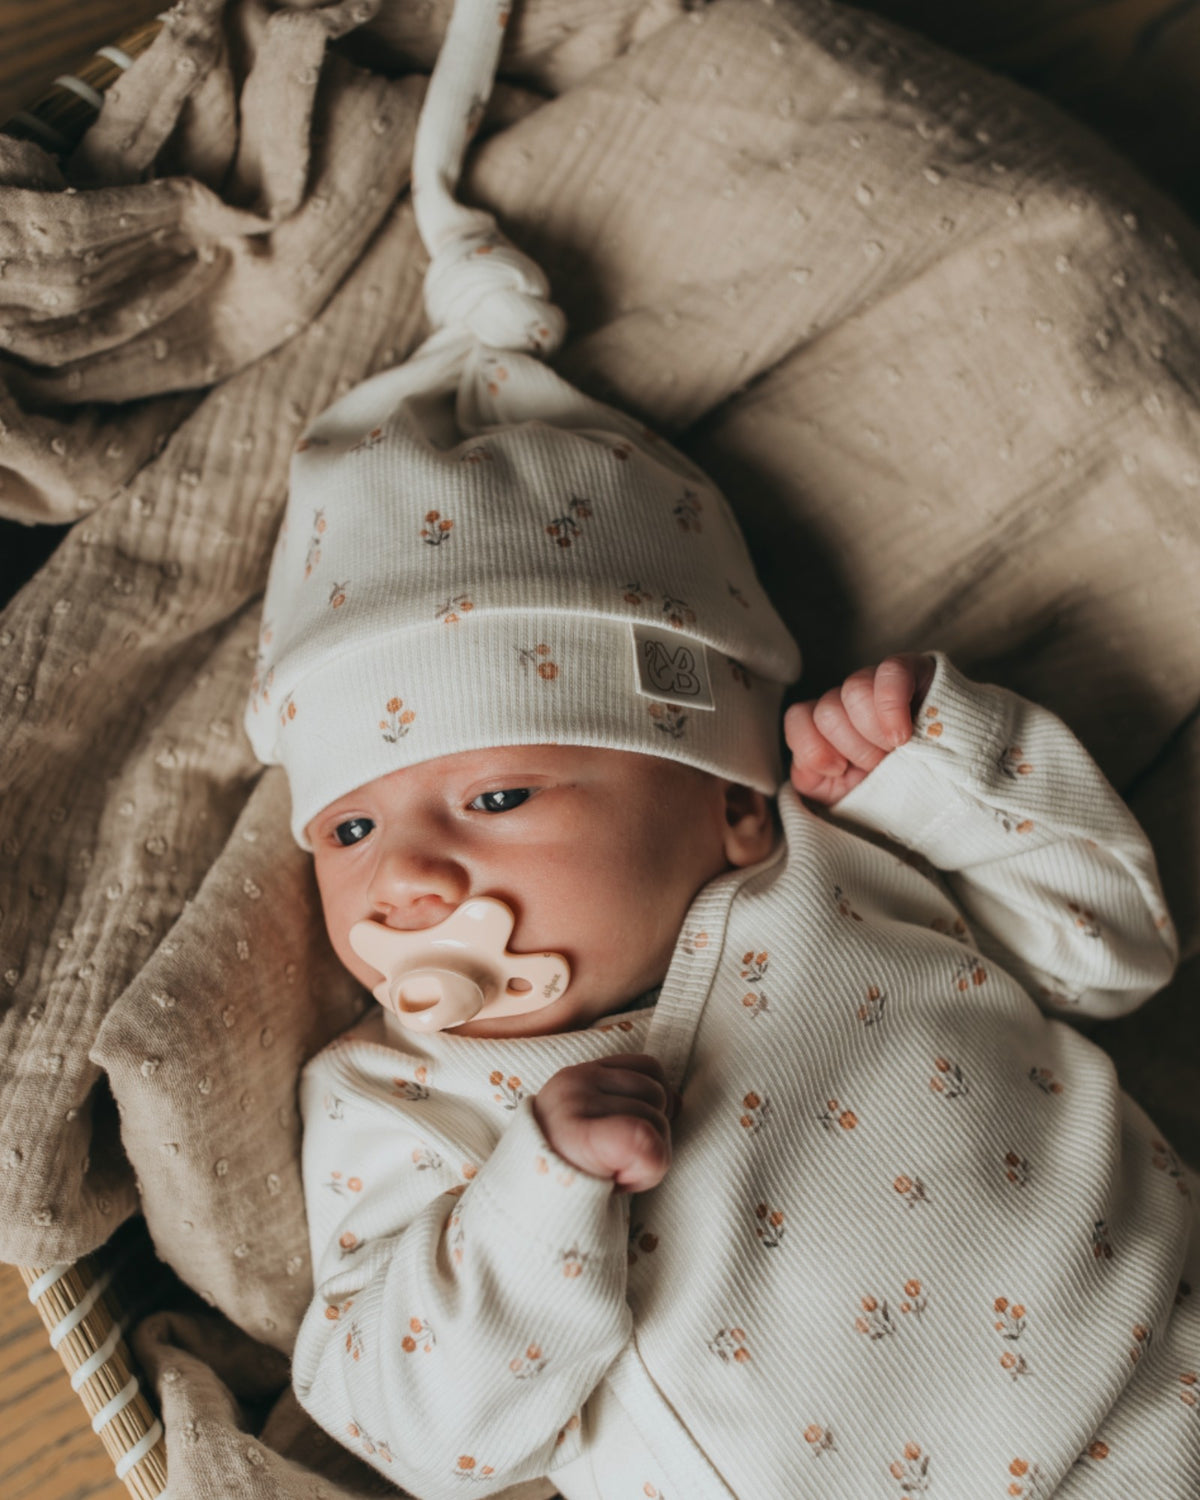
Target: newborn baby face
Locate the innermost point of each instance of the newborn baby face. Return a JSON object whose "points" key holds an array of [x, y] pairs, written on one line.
{"points": [[597, 852]]}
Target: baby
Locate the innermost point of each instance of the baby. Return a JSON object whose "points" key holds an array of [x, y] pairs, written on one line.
{"points": [[789, 1179], [903, 1205]]}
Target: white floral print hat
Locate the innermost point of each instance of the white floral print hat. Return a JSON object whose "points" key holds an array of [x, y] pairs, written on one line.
{"points": [[474, 553]]}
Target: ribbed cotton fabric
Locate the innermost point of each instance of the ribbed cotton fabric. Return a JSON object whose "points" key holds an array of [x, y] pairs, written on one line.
{"points": [[914, 1238]]}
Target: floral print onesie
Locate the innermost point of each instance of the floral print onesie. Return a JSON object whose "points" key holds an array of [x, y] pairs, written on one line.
{"points": [[914, 1241]]}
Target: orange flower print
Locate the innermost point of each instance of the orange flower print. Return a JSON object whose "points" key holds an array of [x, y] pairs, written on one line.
{"points": [[337, 594], [477, 454], [568, 528], [668, 717], [571, 1425], [634, 593], [1142, 1339], [835, 1118], [1013, 763], [1165, 1160], [353, 1343], [398, 721], [419, 1336], [1085, 919], [1025, 1480], [313, 556], [970, 971], [640, 1239], [573, 1262], [741, 673], [736, 593], [412, 1089], [621, 450], [455, 1236], [915, 1299], [467, 1467], [1009, 1323], [376, 1447], [287, 711], [729, 1345], [511, 1093], [1188, 1394], [625, 1025], [912, 1471], [930, 724], [1011, 822], [531, 1363], [755, 1110], [425, 1159], [1101, 1245], [687, 512], [819, 1439], [755, 1003], [678, 612], [1095, 1450], [873, 1319], [1045, 1080], [1016, 1169], [754, 966], [770, 1226], [437, 528], [539, 657], [334, 1107], [335, 1311], [343, 1185], [911, 1189], [843, 904], [370, 439], [694, 942], [454, 608], [349, 1243], [871, 1011], [956, 929], [949, 1080]]}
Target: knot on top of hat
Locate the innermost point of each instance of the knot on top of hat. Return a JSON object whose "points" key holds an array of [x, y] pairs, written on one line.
{"points": [[478, 281]]}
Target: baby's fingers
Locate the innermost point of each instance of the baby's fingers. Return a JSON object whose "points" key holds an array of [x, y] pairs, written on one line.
{"points": [[634, 1149], [814, 759], [900, 682]]}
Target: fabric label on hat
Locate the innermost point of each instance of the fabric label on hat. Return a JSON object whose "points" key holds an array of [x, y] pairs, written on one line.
{"points": [[671, 668]]}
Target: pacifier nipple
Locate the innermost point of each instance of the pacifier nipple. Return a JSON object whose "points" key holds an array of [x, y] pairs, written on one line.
{"points": [[442, 976]]}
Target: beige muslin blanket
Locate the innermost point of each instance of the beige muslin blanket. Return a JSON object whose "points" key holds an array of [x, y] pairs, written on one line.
{"points": [[939, 348]]}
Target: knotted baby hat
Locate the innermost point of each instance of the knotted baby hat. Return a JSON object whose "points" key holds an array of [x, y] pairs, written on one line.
{"points": [[475, 554]]}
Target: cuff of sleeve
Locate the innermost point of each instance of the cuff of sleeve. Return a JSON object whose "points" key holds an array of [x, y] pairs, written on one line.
{"points": [[545, 1199], [959, 729]]}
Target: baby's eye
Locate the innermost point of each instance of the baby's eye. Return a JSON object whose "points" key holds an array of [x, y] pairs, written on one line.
{"points": [[495, 802], [353, 830]]}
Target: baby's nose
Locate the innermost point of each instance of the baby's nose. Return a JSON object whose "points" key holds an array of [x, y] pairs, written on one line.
{"points": [[420, 888]]}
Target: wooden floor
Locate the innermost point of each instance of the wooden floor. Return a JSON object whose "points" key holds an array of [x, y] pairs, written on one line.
{"points": [[48, 1450]]}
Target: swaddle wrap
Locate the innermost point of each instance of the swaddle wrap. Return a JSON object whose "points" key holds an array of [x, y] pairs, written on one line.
{"points": [[476, 554]]}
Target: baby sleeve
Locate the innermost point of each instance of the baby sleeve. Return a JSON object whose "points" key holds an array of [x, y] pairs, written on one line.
{"points": [[1044, 858], [457, 1327]]}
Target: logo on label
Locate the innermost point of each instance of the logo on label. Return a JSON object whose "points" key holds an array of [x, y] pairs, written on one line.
{"points": [[671, 669]]}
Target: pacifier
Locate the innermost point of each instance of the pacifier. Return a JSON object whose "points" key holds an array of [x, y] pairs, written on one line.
{"points": [[442, 976]]}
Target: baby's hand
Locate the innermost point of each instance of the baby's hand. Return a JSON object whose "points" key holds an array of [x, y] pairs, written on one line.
{"points": [[838, 738], [612, 1118]]}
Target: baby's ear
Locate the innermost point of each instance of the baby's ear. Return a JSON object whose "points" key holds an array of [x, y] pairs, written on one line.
{"points": [[749, 825]]}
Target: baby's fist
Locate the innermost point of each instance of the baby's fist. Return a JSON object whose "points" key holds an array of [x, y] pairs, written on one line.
{"points": [[837, 739], [611, 1118]]}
